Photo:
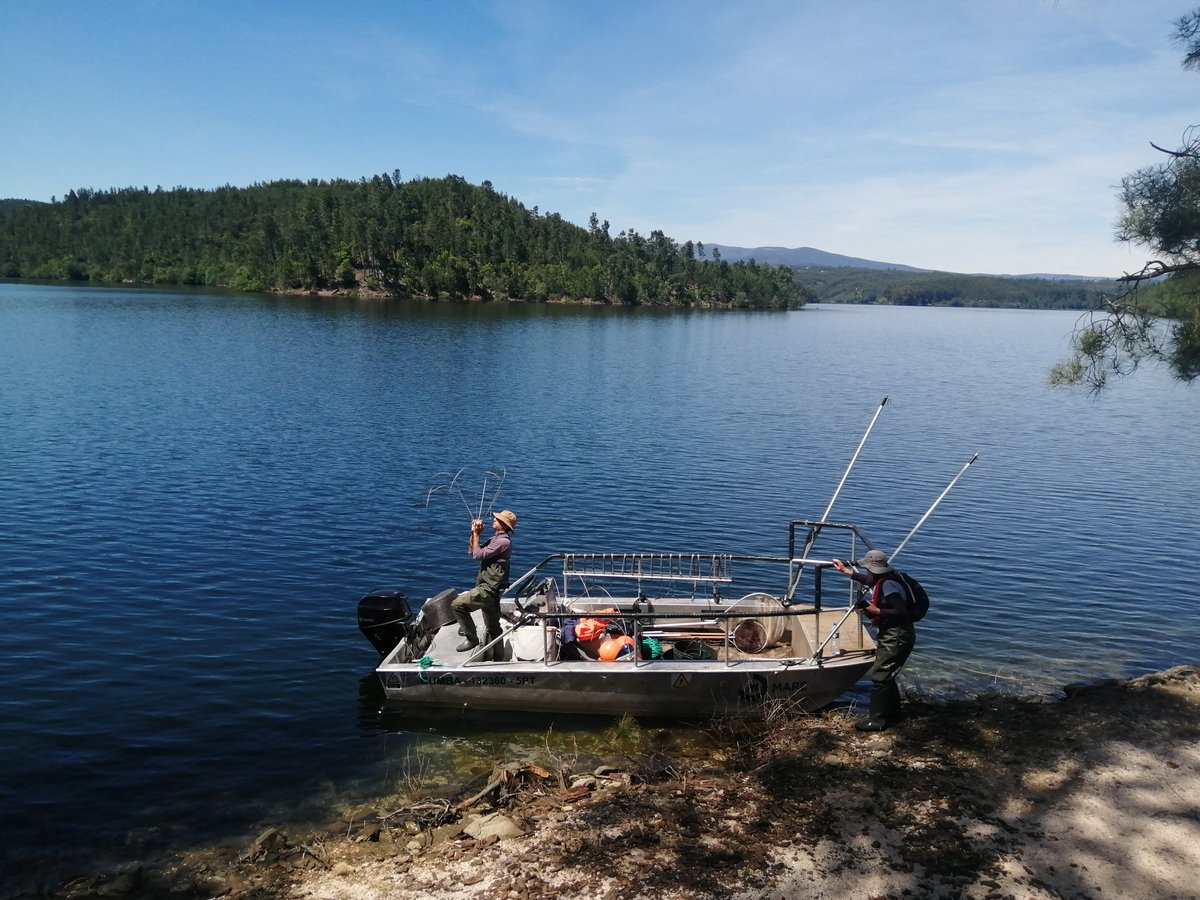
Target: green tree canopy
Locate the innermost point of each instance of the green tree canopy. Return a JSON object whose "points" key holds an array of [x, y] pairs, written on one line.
{"points": [[432, 238], [1157, 315]]}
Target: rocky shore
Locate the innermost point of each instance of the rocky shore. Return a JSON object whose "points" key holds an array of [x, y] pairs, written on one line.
{"points": [[1088, 796]]}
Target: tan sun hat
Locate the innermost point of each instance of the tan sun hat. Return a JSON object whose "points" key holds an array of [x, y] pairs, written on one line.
{"points": [[508, 518], [875, 561]]}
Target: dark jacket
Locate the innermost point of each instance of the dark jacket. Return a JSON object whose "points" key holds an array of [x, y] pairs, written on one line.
{"points": [[891, 596]]}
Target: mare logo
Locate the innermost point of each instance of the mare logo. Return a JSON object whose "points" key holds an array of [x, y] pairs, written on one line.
{"points": [[788, 687], [759, 688]]}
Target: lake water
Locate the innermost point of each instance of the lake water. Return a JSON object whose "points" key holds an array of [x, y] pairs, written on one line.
{"points": [[195, 490]]}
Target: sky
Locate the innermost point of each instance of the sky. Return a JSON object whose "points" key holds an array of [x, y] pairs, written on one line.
{"points": [[971, 136]]}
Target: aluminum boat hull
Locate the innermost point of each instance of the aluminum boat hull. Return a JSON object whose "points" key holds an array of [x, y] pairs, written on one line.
{"points": [[673, 688]]}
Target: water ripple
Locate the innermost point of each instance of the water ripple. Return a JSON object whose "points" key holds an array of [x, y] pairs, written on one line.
{"points": [[196, 489]]}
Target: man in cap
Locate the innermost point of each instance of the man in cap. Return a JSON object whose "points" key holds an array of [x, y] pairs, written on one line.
{"points": [[493, 555], [888, 610]]}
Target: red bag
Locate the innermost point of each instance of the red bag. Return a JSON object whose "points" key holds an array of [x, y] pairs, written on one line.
{"points": [[591, 628]]}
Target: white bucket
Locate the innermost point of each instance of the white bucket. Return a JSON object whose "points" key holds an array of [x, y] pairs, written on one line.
{"points": [[531, 642]]}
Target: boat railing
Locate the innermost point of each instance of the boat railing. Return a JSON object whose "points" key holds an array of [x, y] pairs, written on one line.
{"points": [[798, 562], [701, 568], [697, 578], [712, 569]]}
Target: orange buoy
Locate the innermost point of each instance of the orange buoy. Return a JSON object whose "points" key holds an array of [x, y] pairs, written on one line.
{"points": [[616, 647]]}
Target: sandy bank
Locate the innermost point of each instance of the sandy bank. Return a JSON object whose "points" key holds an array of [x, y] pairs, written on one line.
{"points": [[1094, 795]]}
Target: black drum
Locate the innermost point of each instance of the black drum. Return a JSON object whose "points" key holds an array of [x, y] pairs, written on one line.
{"points": [[436, 612]]}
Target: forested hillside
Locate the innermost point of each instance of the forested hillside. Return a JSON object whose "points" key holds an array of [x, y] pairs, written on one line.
{"points": [[424, 237], [853, 285]]}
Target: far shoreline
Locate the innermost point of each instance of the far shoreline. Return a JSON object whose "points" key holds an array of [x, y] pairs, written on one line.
{"points": [[365, 292]]}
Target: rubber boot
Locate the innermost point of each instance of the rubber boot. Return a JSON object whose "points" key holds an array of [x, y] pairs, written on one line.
{"points": [[875, 720], [891, 710], [466, 627]]}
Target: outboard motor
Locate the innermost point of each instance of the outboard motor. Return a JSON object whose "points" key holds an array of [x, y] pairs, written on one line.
{"points": [[385, 619]]}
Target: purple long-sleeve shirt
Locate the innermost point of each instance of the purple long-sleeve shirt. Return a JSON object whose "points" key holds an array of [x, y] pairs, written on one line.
{"points": [[499, 545]]}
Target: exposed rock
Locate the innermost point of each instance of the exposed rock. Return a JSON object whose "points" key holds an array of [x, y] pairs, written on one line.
{"points": [[494, 825]]}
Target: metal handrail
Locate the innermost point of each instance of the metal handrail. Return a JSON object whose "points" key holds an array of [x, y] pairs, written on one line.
{"points": [[640, 618], [683, 568], [707, 568]]}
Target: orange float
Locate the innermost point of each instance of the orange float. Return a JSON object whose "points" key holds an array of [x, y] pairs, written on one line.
{"points": [[616, 647]]}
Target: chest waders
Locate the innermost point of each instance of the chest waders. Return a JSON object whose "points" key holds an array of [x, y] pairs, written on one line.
{"points": [[894, 644], [485, 596]]}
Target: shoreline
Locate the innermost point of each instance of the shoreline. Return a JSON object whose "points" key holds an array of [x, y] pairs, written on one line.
{"points": [[363, 291], [1091, 795]]}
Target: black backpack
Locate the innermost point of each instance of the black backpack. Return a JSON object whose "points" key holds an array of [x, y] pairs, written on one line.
{"points": [[918, 597]]}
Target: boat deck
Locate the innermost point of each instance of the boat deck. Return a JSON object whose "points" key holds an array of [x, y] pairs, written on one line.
{"points": [[801, 635]]}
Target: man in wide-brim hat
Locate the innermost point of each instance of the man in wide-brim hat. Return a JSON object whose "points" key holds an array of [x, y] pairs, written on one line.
{"points": [[889, 611], [493, 556]]}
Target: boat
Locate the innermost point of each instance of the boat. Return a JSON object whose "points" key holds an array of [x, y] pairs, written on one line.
{"points": [[644, 634]]}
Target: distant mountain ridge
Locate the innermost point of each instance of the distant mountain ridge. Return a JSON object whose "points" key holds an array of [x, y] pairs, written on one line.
{"points": [[810, 257], [803, 257]]}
